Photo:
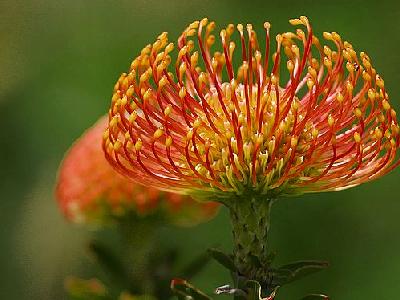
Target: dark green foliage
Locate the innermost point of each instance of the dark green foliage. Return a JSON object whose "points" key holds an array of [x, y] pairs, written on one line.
{"points": [[223, 258]]}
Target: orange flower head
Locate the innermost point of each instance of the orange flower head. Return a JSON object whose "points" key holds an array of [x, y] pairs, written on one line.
{"points": [[90, 191], [228, 116]]}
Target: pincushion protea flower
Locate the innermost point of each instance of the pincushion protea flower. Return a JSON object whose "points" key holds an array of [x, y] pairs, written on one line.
{"points": [[89, 190], [234, 126], [328, 126]]}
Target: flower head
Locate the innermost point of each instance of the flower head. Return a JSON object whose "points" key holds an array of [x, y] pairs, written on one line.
{"points": [[228, 116], [89, 190]]}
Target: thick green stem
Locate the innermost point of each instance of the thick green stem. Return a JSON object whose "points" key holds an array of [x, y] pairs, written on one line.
{"points": [[250, 221]]}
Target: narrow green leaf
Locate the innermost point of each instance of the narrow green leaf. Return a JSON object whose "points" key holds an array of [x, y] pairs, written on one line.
{"points": [[224, 259], [298, 265], [184, 290], [297, 270]]}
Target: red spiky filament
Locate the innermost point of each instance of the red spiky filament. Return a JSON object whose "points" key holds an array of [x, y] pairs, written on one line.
{"points": [[215, 126], [90, 191]]}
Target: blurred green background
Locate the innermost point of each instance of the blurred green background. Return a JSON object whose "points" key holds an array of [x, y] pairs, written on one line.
{"points": [[58, 63]]}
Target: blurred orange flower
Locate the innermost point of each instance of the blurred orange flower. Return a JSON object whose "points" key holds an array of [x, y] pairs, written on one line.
{"points": [[90, 191]]}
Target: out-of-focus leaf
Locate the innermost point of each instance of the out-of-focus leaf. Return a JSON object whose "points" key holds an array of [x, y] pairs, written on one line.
{"points": [[110, 263], [85, 289], [223, 258], [184, 290], [162, 264], [195, 266], [128, 296], [297, 270]]}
